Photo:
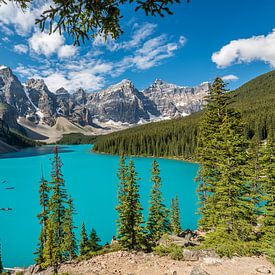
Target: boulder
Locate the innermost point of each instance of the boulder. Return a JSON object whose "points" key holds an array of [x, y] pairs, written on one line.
{"points": [[198, 271]]}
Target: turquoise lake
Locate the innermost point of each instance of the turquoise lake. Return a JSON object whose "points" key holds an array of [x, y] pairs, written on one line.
{"points": [[91, 180]]}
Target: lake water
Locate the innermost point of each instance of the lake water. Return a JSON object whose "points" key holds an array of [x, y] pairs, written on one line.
{"points": [[92, 182]]}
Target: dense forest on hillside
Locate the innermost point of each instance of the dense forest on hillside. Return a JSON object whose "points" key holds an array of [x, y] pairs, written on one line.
{"points": [[178, 138], [77, 138], [14, 137]]}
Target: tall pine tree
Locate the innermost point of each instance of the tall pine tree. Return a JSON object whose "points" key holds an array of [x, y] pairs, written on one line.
{"points": [[43, 217], [175, 216], [208, 136], [57, 205], [122, 195], [94, 241], [158, 215], [84, 241], [229, 207], [130, 231]]}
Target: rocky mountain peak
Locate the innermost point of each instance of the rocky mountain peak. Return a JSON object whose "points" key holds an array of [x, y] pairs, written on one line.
{"points": [[37, 84], [61, 91]]}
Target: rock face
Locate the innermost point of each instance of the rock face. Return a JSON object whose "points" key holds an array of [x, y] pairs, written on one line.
{"points": [[12, 92], [172, 100], [119, 104]]}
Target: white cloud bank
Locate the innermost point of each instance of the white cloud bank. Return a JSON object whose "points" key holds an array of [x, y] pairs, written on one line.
{"points": [[260, 48]]}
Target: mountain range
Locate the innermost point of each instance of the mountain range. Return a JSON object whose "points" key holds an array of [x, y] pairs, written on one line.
{"points": [[43, 114]]}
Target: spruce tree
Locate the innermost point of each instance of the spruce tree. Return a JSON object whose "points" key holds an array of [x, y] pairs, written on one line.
{"points": [[268, 182], [254, 178], [208, 137], [84, 242], [94, 241], [158, 220], [175, 216], [51, 256], [122, 195], [232, 194], [57, 205], [69, 244], [130, 231], [1, 264], [43, 217]]}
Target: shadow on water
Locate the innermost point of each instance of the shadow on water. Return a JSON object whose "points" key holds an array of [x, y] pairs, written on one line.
{"points": [[36, 151]]}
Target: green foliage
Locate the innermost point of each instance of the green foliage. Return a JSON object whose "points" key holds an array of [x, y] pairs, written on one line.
{"points": [[130, 230], [158, 214], [14, 137], [178, 137], [84, 241], [225, 190], [268, 182], [94, 241], [207, 151], [69, 242], [77, 138], [174, 251], [175, 216], [43, 217], [229, 244]]}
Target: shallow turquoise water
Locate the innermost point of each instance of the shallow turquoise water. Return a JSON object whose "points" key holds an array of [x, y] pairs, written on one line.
{"points": [[91, 180]]}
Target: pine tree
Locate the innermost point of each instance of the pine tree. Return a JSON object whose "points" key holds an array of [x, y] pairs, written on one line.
{"points": [[158, 220], [268, 182], [84, 242], [232, 194], [208, 137], [175, 216], [94, 241], [57, 204], [69, 244], [51, 255], [121, 195], [130, 231], [43, 217], [254, 178], [1, 264]]}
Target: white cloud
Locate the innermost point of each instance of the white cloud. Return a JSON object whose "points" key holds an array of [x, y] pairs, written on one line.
{"points": [[21, 48], [230, 77], [66, 51], [7, 31], [86, 73], [23, 21], [260, 48], [45, 44], [140, 33], [153, 52]]}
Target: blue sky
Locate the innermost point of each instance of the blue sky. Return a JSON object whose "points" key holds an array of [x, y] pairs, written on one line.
{"points": [[202, 40]]}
